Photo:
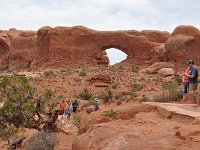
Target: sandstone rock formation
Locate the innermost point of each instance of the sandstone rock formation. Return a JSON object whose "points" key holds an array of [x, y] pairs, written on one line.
{"points": [[184, 44], [154, 68], [100, 80], [77, 46], [166, 72]]}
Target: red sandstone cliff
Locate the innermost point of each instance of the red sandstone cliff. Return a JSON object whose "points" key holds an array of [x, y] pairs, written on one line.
{"points": [[77, 46]]}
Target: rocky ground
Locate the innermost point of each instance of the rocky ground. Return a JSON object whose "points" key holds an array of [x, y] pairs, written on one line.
{"points": [[130, 124]]}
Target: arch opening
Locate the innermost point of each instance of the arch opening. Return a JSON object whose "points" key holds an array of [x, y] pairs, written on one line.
{"points": [[115, 56], [110, 56]]}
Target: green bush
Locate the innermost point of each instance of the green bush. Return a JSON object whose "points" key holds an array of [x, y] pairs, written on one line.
{"points": [[42, 141], [17, 94], [178, 80], [135, 69], [121, 69], [119, 96], [161, 98], [132, 94], [7, 132], [106, 95], [19, 104], [136, 87], [176, 94], [171, 85], [85, 94], [48, 73], [77, 120], [110, 113], [114, 85], [82, 73]]}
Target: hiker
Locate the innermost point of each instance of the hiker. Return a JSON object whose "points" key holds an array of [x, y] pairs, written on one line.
{"points": [[75, 105], [96, 104], [68, 111], [192, 76], [185, 82], [62, 107]]}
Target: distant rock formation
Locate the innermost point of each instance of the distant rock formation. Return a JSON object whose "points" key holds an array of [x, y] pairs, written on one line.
{"points": [[79, 46]]}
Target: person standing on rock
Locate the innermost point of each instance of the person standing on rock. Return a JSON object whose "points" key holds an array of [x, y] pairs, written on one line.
{"points": [[186, 82], [192, 76]]}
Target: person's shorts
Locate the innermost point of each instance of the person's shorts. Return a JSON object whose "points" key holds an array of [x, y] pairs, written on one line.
{"points": [[185, 88], [193, 86], [68, 113]]}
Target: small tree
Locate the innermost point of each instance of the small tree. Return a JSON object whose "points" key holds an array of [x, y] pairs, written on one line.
{"points": [[20, 105]]}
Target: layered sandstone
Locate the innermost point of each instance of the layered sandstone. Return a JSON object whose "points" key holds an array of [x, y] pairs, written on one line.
{"points": [[77, 46]]}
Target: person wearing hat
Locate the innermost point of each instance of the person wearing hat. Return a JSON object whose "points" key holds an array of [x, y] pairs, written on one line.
{"points": [[192, 76]]}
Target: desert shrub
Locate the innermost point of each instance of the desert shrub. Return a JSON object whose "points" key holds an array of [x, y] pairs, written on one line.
{"points": [[161, 98], [136, 87], [77, 120], [171, 91], [5, 68], [114, 85], [20, 104], [110, 113], [176, 94], [178, 80], [147, 71], [17, 94], [46, 99], [106, 95], [42, 141], [85, 94], [121, 69], [119, 102], [171, 85], [144, 99], [48, 73], [119, 96], [7, 132], [132, 94], [135, 69], [82, 73]]}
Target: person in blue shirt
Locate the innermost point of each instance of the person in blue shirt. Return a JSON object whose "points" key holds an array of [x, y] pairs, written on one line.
{"points": [[192, 76]]}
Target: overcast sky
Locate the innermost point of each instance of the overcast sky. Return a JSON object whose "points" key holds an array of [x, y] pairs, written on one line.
{"points": [[99, 14]]}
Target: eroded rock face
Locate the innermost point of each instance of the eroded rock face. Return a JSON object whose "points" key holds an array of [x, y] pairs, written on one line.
{"points": [[17, 48], [102, 59], [80, 45], [184, 44], [77, 46], [100, 80]]}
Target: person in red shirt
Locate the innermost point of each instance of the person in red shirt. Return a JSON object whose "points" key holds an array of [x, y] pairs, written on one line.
{"points": [[185, 82], [62, 107]]}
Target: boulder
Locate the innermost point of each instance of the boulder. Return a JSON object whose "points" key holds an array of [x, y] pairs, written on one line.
{"points": [[190, 132], [157, 66], [166, 72], [100, 78]]}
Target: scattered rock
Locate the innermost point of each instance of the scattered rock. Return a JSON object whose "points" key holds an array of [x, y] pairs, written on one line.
{"points": [[89, 110], [166, 72], [157, 66], [100, 78]]}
